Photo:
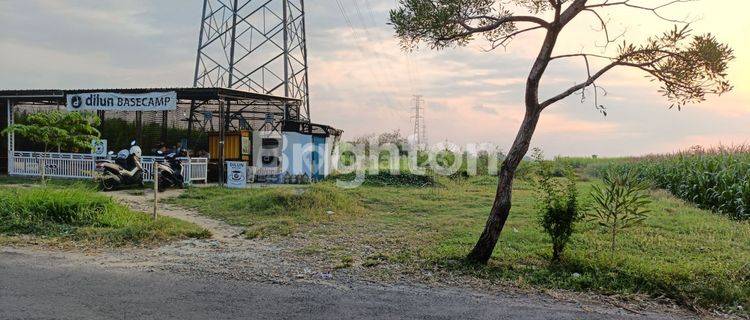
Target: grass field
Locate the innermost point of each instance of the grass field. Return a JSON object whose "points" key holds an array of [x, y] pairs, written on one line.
{"points": [[684, 253], [67, 211]]}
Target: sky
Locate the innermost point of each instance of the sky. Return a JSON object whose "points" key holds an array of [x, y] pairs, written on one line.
{"points": [[362, 81]]}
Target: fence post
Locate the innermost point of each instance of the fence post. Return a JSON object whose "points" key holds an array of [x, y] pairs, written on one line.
{"points": [[156, 189]]}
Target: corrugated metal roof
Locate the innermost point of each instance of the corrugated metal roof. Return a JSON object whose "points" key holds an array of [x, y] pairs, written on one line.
{"points": [[39, 95]]}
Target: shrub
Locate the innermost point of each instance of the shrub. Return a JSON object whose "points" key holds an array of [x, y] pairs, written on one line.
{"points": [[620, 204], [558, 203]]}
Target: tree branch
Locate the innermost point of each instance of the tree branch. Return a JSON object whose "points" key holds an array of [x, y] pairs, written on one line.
{"points": [[654, 10]]}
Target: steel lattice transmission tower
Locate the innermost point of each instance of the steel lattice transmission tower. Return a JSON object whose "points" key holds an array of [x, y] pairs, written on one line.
{"points": [[255, 45], [420, 124]]}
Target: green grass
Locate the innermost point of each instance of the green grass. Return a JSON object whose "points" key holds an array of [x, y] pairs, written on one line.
{"points": [[28, 182], [77, 213], [681, 252], [269, 212]]}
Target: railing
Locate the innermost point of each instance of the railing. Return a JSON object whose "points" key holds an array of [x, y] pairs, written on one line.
{"points": [[197, 170], [83, 166], [57, 165], [193, 169]]}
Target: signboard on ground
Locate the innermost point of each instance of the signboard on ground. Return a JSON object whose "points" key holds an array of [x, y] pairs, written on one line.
{"points": [[108, 101], [236, 174], [99, 148]]}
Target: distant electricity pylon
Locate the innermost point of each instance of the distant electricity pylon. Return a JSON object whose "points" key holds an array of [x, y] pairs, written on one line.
{"points": [[420, 125], [253, 45]]}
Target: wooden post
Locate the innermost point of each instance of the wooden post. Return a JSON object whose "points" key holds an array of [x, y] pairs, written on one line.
{"points": [[156, 189]]}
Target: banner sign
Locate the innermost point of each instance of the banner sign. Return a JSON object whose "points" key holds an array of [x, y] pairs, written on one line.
{"points": [[108, 101], [99, 148], [236, 174]]}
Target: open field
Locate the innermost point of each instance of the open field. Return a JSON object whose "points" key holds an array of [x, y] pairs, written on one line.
{"points": [[66, 211], [684, 253]]}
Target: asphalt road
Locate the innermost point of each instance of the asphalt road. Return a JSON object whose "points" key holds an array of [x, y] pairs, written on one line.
{"points": [[50, 287]]}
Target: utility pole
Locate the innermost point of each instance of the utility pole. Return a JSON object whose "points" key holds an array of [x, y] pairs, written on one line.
{"points": [[420, 125]]}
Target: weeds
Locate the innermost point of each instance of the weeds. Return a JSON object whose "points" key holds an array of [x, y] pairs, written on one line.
{"points": [[82, 214]]}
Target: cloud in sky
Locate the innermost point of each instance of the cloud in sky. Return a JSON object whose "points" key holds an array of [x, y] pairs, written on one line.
{"points": [[362, 82]]}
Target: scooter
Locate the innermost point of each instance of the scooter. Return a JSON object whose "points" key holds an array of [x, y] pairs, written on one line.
{"points": [[170, 174], [122, 172]]}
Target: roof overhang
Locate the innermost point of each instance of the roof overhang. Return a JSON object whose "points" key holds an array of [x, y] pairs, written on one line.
{"points": [[193, 94]]}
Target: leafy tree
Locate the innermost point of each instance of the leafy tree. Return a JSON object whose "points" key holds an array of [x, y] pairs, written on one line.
{"points": [[558, 203], [56, 129], [688, 67], [620, 204]]}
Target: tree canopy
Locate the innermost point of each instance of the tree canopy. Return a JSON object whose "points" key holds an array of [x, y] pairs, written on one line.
{"points": [[687, 66], [59, 129]]}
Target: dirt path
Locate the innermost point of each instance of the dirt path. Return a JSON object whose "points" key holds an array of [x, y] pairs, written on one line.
{"points": [[144, 203]]}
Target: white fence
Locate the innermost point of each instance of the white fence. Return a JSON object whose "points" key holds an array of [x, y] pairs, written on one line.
{"points": [[83, 166], [59, 165], [193, 169]]}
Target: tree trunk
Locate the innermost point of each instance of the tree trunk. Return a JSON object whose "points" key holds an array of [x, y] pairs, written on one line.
{"points": [[501, 207], [614, 236]]}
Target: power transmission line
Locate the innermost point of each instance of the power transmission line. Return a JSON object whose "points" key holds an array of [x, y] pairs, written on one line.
{"points": [[363, 52]]}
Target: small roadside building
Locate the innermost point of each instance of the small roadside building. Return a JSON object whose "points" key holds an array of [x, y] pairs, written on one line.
{"points": [[216, 125]]}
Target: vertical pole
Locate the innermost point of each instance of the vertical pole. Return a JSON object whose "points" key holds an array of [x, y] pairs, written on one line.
{"points": [[164, 124], [231, 45], [285, 23], [156, 189], [225, 123], [200, 45], [306, 95], [187, 146], [222, 135], [195, 78], [11, 138], [139, 127]]}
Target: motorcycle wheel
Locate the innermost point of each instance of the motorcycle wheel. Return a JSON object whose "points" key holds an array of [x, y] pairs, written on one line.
{"points": [[163, 184], [108, 184]]}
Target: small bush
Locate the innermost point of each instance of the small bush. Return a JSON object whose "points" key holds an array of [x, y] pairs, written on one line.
{"points": [[620, 204], [557, 201]]}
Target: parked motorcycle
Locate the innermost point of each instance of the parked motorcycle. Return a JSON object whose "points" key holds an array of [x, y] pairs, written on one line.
{"points": [[170, 173], [123, 172]]}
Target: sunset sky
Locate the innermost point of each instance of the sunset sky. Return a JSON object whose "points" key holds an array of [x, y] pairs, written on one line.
{"points": [[362, 82]]}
